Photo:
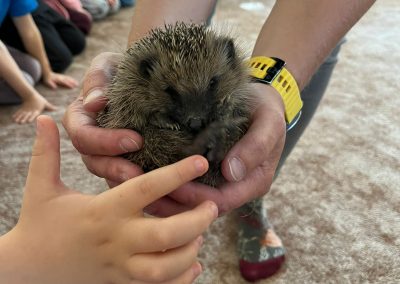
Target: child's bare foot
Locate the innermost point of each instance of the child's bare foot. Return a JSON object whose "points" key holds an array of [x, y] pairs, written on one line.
{"points": [[31, 108]]}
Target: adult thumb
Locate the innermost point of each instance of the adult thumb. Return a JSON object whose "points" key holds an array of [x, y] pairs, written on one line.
{"points": [[44, 168]]}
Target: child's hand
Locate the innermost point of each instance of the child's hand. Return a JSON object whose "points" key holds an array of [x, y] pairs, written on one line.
{"points": [[64, 236], [53, 80]]}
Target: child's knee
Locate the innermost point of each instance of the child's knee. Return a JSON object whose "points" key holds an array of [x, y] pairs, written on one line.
{"points": [[34, 70]]}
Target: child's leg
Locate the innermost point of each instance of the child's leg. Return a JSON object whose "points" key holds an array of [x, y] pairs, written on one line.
{"points": [[13, 83], [115, 7], [99, 9], [72, 37], [260, 250], [57, 51], [29, 65], [8, 96], [127, 3]]}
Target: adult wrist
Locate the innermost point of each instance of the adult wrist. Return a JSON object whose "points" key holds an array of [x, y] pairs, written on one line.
{"points": [[272, 72], [271, 98]]}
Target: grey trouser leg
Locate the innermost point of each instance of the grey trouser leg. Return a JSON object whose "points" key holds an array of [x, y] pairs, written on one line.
{"points": [[311, 96], [31, 70]]}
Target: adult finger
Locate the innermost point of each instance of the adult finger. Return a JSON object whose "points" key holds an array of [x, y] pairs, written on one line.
{"points": [[171, 232], [98, 76], [229, 196], [116, 169], [265, 134], [89, 139], [137, 193], [164, 266]]}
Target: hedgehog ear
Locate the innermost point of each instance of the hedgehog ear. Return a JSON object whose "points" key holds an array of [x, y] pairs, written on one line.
{"points": [[146, 66], [229, 48]]}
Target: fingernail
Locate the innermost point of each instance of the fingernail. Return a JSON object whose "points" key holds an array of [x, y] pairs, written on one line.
{"points": [[93, 95], [124, 176], [199, 240], [200, 165], [238, 171], [197, 269], [214, 210], [128, 145]]}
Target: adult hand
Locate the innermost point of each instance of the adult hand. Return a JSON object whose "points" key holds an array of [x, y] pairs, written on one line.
{"points": [[100, 147], [53, 80], [249, 166], [64, 236]]}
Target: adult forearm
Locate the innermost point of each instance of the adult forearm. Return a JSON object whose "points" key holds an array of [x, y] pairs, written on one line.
{"points": [[156, 13], [303, 33]]}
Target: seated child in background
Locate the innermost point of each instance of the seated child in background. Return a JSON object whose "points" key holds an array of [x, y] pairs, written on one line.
{"points": [[62, 39], [99, 9], [73, 11], [20, 71]]}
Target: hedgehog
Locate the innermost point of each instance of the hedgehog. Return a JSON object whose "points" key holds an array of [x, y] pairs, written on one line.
{"points": [[186, 89]]}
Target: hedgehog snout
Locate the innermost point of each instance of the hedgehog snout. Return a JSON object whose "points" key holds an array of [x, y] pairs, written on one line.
{"points": [[196, 123]]}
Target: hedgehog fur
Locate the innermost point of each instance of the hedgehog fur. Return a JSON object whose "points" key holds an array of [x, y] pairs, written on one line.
{"points": [[186, 89]]}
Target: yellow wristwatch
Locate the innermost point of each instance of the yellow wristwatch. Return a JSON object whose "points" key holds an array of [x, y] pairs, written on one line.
{"points": [[272, 71]]}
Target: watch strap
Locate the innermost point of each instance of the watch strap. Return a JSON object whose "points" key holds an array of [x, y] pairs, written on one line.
{"points": [[272, 71]]}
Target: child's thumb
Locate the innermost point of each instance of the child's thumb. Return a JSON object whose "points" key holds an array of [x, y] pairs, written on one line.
{"points": [[44, 168]]}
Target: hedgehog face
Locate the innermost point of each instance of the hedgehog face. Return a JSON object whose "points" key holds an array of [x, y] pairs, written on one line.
{"points": [[191, 83], [183, 77]]}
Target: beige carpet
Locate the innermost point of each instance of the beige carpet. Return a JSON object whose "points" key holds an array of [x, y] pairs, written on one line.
{"points": [[336, 204]]}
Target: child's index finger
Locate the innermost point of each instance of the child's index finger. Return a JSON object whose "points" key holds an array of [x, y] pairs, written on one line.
{"points": [[137, 193]]}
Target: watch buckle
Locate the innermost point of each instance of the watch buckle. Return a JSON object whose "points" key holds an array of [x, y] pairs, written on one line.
{"points": [[274, 70]]}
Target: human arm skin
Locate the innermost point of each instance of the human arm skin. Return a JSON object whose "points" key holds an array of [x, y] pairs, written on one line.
{"points": [[65, 237], [250, 165], [167, 12], [33, 43], [32, 102]]}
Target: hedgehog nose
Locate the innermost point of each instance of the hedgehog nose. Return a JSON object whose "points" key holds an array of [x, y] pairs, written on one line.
{"points": [[195, 123]]}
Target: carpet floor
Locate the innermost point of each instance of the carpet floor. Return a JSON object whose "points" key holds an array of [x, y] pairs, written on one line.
{"points": [[336, 203]]}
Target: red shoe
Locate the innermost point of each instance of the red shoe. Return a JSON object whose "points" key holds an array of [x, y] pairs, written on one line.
{"points": [[253, 271]]}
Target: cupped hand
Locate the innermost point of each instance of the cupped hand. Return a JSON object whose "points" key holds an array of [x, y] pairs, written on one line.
{"points": [[54, 80], [249, 167], [64, 236], [100, 147]]}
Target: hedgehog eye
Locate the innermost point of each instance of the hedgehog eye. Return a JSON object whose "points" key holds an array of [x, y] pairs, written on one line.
{"points": [[172, 92], [213, 83]]}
